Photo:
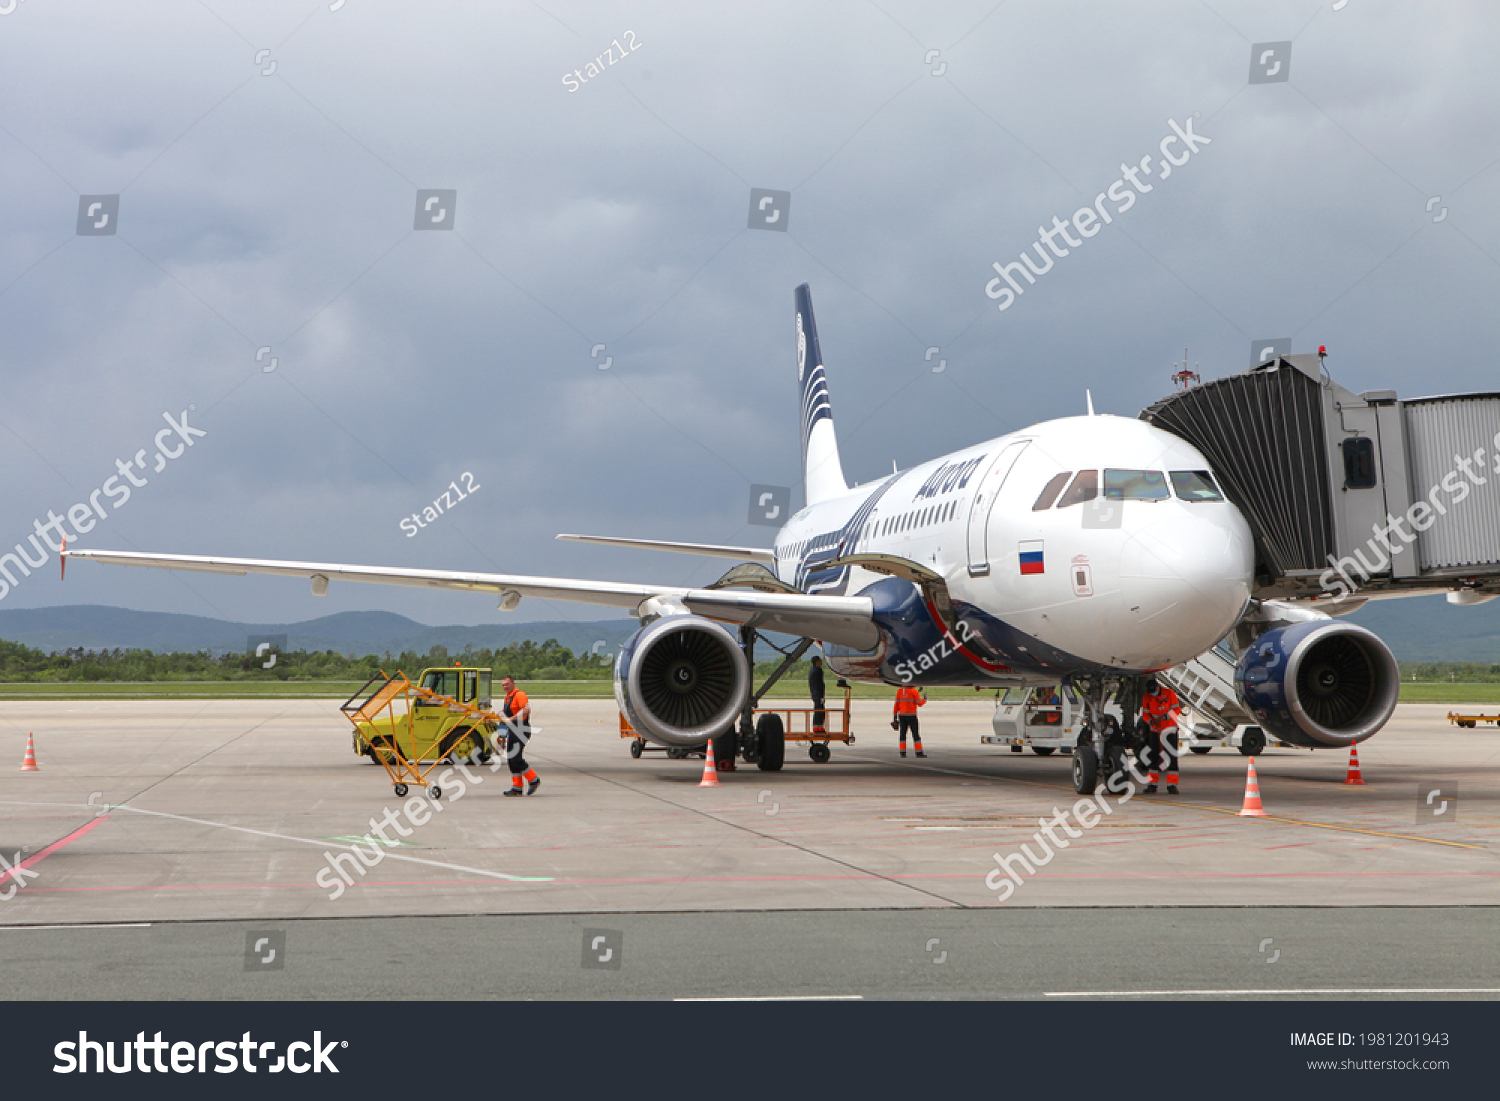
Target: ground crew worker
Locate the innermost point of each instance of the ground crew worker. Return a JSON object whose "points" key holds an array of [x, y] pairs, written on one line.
{"points": [[904, 718], [1159, 710], [816, 690], [516, 710]]}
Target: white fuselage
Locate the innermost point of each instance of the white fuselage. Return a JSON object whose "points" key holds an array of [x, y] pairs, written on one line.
{"points": [[1149, 573]]}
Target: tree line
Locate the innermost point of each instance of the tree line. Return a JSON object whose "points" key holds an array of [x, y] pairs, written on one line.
{"points": [[550, 660]]}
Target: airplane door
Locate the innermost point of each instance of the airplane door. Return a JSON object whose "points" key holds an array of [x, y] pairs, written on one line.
{"points": [[983, 500]]}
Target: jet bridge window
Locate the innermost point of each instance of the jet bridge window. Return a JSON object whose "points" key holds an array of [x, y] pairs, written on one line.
{"points": [[1135, 485], [1195, 485], [1359, 463], [1050, 491], [1085, 487]]}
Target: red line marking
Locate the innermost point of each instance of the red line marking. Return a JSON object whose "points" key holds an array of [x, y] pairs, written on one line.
{"points": [[50, 849]]}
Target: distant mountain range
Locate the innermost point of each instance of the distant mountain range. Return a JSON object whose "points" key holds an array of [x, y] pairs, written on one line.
{"points": [[1416, 629], [1428, 628], [100, 627]]}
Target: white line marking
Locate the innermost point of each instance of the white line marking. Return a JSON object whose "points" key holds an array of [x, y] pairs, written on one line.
{"points": [[782, 998], [1349, 990], [325, 844]]}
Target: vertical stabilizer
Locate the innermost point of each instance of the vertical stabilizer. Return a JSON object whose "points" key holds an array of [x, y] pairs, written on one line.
{"points": [[822, 474]]}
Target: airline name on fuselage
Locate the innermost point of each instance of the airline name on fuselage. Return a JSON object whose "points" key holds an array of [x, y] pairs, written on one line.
{"points": [[948, 477]]}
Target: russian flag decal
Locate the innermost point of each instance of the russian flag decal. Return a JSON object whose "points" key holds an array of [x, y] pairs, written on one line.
{"points": [[1031, 557]]}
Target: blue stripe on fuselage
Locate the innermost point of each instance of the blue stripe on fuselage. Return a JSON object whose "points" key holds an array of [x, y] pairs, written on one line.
{"points": [[914, 650]]}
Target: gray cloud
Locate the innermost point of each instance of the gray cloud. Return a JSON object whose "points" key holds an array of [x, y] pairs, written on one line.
{"points": [[277, 211]]}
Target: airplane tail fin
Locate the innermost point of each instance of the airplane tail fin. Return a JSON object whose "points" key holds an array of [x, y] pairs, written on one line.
{"points": [[822, 473]]}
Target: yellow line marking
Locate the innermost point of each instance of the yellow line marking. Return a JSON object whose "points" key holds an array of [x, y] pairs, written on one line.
{"points": [[1330, 826]]}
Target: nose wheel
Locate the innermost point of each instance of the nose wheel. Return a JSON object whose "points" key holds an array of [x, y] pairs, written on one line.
{"points": [[1085, 770]]}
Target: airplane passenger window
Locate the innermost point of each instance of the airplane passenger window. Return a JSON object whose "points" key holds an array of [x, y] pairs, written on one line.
{"points": [[1050, 491], [1085, 487], [1135, 485], [1195, 485]]}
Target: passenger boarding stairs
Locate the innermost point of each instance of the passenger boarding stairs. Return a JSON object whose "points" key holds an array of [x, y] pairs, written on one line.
{"points": [[1205, 686]]}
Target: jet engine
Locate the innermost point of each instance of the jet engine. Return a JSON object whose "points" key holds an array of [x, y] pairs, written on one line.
{"points": [[1319, 684], [681, 680]]}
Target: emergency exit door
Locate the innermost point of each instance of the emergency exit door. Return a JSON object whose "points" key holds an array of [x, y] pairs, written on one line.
{"points": [[985, 495]]}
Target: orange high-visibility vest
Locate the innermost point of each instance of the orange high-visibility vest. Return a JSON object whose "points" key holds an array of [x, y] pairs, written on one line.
{"points": [[1160, 708], [908, 700]]}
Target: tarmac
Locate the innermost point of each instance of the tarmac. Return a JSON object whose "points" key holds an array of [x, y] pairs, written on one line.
{"points": [[157, 834]]}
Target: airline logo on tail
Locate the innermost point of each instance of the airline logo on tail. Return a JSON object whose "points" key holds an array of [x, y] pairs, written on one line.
{"points": [[822, 474], [801, 348]]}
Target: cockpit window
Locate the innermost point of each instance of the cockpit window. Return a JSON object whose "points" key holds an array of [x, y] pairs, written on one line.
{"points": [[1195, 485], [1050, 491], [1085, 487], [1135, 485]]}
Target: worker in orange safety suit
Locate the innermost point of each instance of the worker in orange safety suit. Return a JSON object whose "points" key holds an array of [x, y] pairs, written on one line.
{"points": [[1159, 711], [904, 718]]}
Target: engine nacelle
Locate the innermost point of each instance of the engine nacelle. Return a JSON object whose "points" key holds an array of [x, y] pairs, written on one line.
{"points": [[1322, 684], [681, 680]]}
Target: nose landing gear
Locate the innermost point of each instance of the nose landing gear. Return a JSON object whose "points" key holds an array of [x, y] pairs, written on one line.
{"points": [[1105, 747]]}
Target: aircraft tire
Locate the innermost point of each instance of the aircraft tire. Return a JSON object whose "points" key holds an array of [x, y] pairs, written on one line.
{"points": [[1043, 750], [1253, 744], [1085, 770], [771, 738]]}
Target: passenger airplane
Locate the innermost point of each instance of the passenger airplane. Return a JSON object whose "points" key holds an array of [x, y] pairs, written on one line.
{"points": [[1092, 550]]}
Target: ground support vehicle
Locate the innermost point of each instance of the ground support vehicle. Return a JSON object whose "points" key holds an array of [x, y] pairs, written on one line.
{"points": [[404, 726], [1046, 719], [796, 723], [1468, 722], [1251, 741]]}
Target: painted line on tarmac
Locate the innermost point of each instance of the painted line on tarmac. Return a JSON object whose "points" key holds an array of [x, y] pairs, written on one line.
{"points": [[780, 998], [1330, 990], [48, 851], [1330, 826], [324, 844], [1199, 806]]}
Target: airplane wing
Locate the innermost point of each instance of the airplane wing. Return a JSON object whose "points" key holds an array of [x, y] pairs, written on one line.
{"points": [[711, 550], [842, 620]]}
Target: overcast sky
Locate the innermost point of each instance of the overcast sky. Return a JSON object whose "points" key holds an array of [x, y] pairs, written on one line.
{"points": [[267, 159]]}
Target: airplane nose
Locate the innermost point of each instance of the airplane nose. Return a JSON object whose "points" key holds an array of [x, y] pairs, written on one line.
{"points": [[1185, 574]]}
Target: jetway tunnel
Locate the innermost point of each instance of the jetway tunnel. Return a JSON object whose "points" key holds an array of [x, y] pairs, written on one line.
{"points": [[1342, 487]]}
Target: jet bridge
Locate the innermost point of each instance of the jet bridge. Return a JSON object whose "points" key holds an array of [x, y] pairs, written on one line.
{"points": [[1320, 474]]}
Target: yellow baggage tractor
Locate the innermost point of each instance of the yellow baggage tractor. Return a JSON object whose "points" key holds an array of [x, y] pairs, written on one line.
{"points": [[404, 726]]}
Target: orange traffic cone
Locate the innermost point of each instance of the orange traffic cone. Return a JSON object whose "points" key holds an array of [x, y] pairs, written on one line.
{"points": [[1354, 777], [1252, 807], [28, 763], [710, 772]]}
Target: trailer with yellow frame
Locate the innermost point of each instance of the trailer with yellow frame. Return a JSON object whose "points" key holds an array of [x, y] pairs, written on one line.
{"points": [[797, 726], [1470, 721], [410, 729]]}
